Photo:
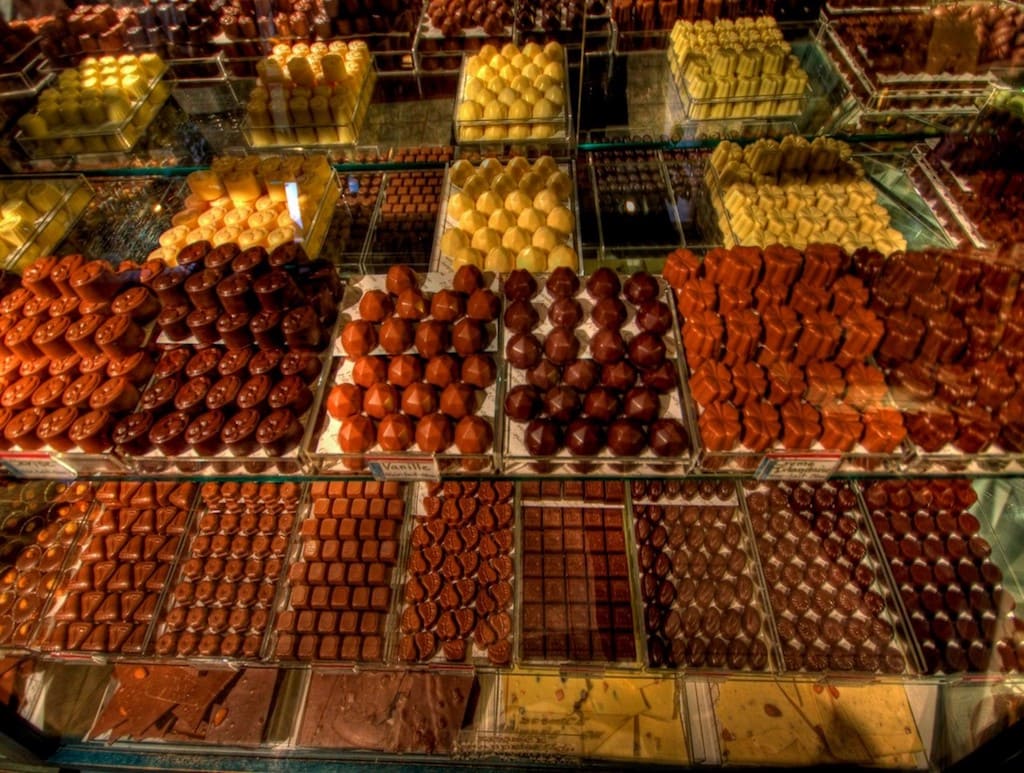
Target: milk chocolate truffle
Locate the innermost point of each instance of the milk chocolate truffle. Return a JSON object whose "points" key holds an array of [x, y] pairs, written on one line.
{"points": [[411, 304], [562, 283], [626, 437], [668, 438], [358, 338], [419, 399], [581, 375], [404, 370], [641, 404], [395, 432], [661, 379], [467, 280], [565, 312], [609, 313], [458, 400], [601, 404], [469, 336], [584, 437], [522, 403], [431, 338], [368, 370], [542, 437], [647, 350], [473, 435], [619, 376], [561, 346], [356, 434], [447, 306], [607, 346], [442, 371], [603, 283], [380, 400], [521, 317], [434, 433], [561, 403], [654, 317], [479, 370], [344, 400], [520, 285], [544, 375], [375, 306], [399, 279], [396, 335], [523, 350], [640, 288], [483, 305]]}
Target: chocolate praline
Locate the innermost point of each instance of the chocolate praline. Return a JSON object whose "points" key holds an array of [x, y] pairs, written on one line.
{"points": [[584, 437], [356, 434], [662, 379], [400, 278], [520, 285], [419, 399], [609, 313], [626, 437], [562, 403], [380, 400], [641, 404], [601, 404], [565, 312], [619, 376], [411, 304], [473, 435], [544, 375], [523, 350], [581, 375], [561, 346], [458, 400], [375, 306], [405, 369], [431, 338], [668, 438], [522, 403], [607, 346], [479, 370], [447, 305], [359, 338], [469, 336], [442, 371], [542, 437], [344, 400], [467, 280], [604, 283], [640, 288], [434, 433], [396, 335], [562, 283], [647, 350], [520, 317], [395, 432], [654, 317], [368, 370], [483, 305]]}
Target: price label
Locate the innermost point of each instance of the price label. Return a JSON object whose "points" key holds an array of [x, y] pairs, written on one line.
{"points": [[397, 468], [36, 465], [797, 466]]}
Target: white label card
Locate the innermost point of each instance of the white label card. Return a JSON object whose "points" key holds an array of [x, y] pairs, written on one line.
{"points": [[784, 466], [423, 468], [36, 465]]}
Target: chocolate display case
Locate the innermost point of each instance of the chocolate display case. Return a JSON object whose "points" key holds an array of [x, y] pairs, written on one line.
{"points": [[53, 206]]}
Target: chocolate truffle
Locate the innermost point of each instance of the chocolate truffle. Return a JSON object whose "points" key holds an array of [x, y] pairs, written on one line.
{"points": [[442, 371], [521, 317], [607, 347], [668, 438], [647, 350], [400, 278], [584, 437], [654, 317], [458, 400], [467, 280], [603, 283], [544, 375], [344, 400], [483, 305], [469, 336], [561, 346], [619, 376], [522, 403], [661, 379], [356, 434], [581, 375], [411, 304], [473, 435], [431, 338], [358, 338], [520, 285], [375, 306], [562, 403], [368, 370], [641, 404], [479, 370], [609, 313], [419, 399], [562, 283], [565, 312], [395, 432], [601, 404], [404, 370], [640, 288], [396, 335], [542, 437], [523, 350], [380, 400], [626, 437], [447, 306], [434, 433]]}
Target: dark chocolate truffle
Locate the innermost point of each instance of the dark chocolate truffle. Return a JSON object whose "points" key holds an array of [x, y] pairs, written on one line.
{"points": [[640, 288], [603, 283], [521, 317], [523, 350], [522, 403], [563, 282], [561, 346], [565, 312], [626, 437], [544, 375], [607, 347], [609, 313], [668, 438], [520, 285], [542, 437], [584, 437]]}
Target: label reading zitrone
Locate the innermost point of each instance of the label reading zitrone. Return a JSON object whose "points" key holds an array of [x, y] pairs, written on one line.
{"points": [[797, 466], [405, 469], [36, 465]]}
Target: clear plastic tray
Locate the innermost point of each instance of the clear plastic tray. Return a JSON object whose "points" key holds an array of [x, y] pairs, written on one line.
{"points": [[735, 108], [75, 193]]}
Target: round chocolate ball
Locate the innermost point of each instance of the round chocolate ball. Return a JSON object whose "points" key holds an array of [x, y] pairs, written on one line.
{"points": [[458, 400], [483, 305], [584, 437], [609, 313], [447, 306], [523, 350], [467, 280], [395, 432], [661, 379], [563, 282], [442, 370], [396, 335], [561, 403], [626, 437], [565, 312], [521, 317], [668, 438], [473, 435], [601, 404], [654, 317], [368, 370], [357, 434], [607, 346], [434, 433], [522, 403], [647, 350], [375, 306], [603, 283], [419, 399], [404, 370], [544, 375], [358, 338], [469, 336], [479, 370], [431, 338], [542, 437], [581, 375], [619, 376], [344, 400], [411, 304], [380, 400], [641, 404], [520, 285], [400, 278], [561, 346], [640, 288]]}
